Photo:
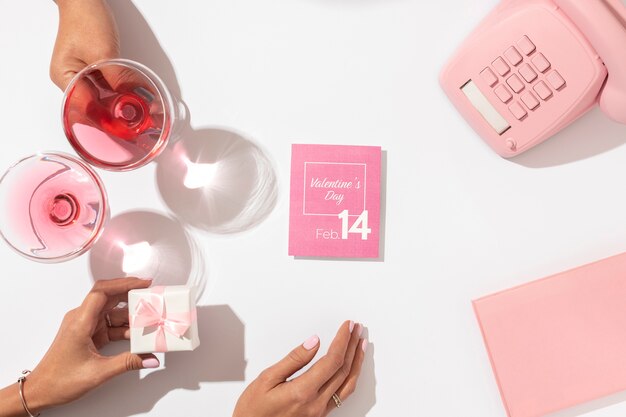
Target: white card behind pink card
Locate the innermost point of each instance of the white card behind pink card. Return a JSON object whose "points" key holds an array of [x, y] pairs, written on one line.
{"points": [[335, 201]]}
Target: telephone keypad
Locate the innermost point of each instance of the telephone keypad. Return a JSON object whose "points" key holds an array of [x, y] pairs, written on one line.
{"points": [[528, 68]]}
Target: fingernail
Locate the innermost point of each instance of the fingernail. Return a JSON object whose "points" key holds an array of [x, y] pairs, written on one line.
{"points": [[351, 326], [150, 363], [364, 345], [127, 334], [360, 329], [311, 342]]}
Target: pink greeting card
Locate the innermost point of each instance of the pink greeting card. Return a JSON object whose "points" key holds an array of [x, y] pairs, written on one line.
{"points": [[335, 201], [559, 341]]}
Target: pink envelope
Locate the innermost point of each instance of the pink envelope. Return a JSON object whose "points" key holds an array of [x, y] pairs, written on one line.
{"points": [[559, 341]]}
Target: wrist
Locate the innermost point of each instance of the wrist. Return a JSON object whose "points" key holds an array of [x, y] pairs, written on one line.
{"points": [[66, 4], [77, 2], [10, 403], [35, 394]]}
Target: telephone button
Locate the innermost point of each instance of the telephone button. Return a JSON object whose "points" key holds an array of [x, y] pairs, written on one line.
{"points": [[489, 77], [556, 81], [518, 111], [503, 93], [515, 83], [543, 90], [513, 56], [526, 45], [540, 62], [501, 66], [530, 100], [527, 73]]}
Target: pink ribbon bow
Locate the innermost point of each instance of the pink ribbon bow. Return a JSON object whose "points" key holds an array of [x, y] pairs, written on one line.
{"points": [[151, 313]]}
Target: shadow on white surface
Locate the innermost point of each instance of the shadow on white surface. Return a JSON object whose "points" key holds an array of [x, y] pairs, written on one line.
{"points": [[211, 178], [148, 244], [220, 357], [216, 180], [592, 135], [139, 42], [364, 397], [383, 206], [592, 406], [383, 222]]}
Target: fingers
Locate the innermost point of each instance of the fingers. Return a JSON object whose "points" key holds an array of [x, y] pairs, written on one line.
{"points": [[120, 286], [117, 317], [107, 294], [113, 326], [125, 362], [118, 77], [349, 385], [341, 375], [292, 363], [87, 33], [63, 69], [119, 333], [117, 324], [329, 364], [65, 64]]}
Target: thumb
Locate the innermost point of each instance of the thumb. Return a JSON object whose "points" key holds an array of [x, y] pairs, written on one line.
{"points": [[293, 362], [63, 68], [127, 361]]}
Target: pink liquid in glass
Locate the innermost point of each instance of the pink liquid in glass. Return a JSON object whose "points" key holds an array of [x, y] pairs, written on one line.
{"points": [[115, 117], [52, 207]]}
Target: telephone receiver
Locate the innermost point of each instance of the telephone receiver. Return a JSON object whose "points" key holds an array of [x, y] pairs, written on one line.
{"points": [[604, 24]]}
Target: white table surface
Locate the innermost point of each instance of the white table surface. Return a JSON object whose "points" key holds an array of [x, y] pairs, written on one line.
{"points": [[460, 222]]}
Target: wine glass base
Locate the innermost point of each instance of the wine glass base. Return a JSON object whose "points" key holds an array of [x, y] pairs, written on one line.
{"points": [[53, 207]]}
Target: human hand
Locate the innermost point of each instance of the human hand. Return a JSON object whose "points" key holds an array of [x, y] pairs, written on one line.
{"points": [[310, 394], [87, 33], [73, 366]]}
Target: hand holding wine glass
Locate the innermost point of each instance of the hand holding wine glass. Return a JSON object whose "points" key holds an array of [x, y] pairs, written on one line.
{"points": [[132, 113], [117, 114], [87, 33]]}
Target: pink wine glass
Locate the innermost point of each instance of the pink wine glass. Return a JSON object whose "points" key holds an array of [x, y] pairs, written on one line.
{"points": [[118, 114], [53, 207]]}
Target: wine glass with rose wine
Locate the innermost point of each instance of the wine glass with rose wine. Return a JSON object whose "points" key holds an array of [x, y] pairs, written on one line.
{"points": [[53, 207], [118, 114]]}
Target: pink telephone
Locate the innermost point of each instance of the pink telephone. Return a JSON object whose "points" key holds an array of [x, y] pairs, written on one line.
{"points": [[535, 66]]}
